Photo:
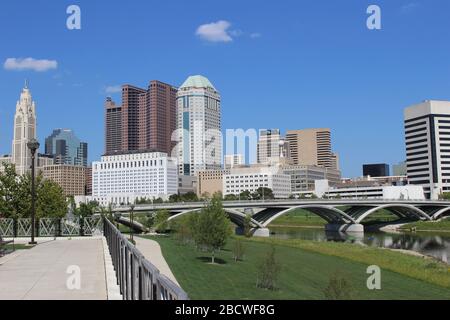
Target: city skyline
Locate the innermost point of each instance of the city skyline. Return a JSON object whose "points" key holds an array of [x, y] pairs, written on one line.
{"points": [[366, 88]]}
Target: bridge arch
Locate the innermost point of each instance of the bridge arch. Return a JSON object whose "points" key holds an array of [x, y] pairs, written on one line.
{"points": [[328, 213], [441, 213], [235, 216], [397, 209]]}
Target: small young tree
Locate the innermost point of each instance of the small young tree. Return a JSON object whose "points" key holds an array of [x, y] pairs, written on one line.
{"points": [[268, 271], [211, 227], [238, 250], [339, 288], [247, 226]]}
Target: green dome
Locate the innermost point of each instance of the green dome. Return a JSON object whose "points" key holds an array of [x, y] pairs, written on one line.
{"points": [[197, 82]]}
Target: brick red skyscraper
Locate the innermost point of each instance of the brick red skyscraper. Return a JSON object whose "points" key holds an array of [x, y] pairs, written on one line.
{"points": [[147, 119]]}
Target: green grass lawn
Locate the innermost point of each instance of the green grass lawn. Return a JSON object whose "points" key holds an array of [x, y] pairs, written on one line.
{"points": [[443, 225], [305, 271], [299, 218]]}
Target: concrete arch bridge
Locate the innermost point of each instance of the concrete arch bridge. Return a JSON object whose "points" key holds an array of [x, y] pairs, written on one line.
{"points": [[341, 215]]}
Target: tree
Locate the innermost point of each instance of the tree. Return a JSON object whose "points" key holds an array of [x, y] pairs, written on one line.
{"points": [[86, 209], [230, 197], [15, 196], [245, 195], [51, 201], [238, 250], [247, 226], [268, 271], [161, 221], [189, 197], [263, 194], [211, 227], [12, 203], [339, 288], [174, 198]]}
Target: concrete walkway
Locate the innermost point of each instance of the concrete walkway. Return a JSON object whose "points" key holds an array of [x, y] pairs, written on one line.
{"points": [[41, 273], [152, 252]]}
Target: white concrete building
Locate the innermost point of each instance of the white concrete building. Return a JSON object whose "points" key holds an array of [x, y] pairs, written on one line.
{"points": [[408, 192], [252, 178], [123, 178], [427, 130], [199, 128]]}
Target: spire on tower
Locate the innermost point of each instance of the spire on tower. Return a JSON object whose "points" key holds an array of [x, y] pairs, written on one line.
{"points": [[26, 83]]}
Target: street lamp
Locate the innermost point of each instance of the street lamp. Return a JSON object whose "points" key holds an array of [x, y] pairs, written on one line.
{"points": [[132, 222], [33, 145]]}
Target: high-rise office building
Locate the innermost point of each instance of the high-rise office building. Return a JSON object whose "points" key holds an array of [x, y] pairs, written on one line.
{"points": [[376, 170], [158, 117], [199, 126], [146, 120], [132, 100], [427, 130], [66, 148], [24, 131], [269, 146], [113, 127], [400, 169], [312, 147]]}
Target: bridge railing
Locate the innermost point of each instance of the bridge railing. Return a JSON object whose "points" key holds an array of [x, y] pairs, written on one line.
{"points": [[169, 205], [137, 277]]}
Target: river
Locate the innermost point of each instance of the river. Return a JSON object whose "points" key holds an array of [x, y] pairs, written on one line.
{"points": [[435, 245]]}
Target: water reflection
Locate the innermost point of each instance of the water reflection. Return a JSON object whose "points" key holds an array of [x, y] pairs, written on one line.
{"points": [[437, 246]]}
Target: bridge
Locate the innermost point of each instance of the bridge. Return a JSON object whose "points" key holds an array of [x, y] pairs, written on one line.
{"points": [[341, 215]]}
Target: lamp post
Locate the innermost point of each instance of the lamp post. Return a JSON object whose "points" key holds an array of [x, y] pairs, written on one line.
{"points": [[33, 145], [132, 222]]}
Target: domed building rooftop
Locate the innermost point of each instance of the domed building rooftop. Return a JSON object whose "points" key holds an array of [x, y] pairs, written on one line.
{"points": [[197, 82]]}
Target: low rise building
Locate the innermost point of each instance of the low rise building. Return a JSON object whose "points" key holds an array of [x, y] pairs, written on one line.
{"points": [[210, 182], [123, 178], [252, 178], [303, 177], [383, 192]]}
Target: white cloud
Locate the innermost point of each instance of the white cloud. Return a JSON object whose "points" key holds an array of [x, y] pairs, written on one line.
{"points": [[215, 32], [113, 89], [19, 64]]}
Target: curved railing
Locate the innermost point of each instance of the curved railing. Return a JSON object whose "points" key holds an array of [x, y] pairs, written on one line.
{"points": [[137, 277]]}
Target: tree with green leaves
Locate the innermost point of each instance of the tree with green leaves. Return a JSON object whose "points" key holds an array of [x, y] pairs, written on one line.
{"points": [[211, 227], [248, 226], [263, 194], [15, 195], [161, 221], [230, 197], [245, 195]]}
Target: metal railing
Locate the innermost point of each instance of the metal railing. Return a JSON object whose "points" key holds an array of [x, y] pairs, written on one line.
{"points": [[137, 277]]}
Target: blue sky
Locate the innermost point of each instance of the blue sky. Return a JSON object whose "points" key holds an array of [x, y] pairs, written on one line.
{"points": [[285, 64]]}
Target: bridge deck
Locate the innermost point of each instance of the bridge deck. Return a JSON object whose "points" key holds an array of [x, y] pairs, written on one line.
{"points": [[40, 273]]}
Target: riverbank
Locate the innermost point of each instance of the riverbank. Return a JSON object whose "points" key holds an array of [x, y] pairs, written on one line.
{"points": [[427, 226], [306, 269]]}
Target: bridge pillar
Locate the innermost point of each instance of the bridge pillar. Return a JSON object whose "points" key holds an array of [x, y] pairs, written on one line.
{"points": [[334, 227]]}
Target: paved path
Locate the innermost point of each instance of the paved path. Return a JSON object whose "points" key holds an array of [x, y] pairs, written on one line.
{"points": [[152, 252], [40, 273]]}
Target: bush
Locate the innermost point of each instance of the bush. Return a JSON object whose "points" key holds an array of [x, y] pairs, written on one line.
{"points": [[339, 288]]}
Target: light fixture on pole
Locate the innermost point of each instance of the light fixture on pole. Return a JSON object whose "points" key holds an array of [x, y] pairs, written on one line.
{"points": [[33, 145]]}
